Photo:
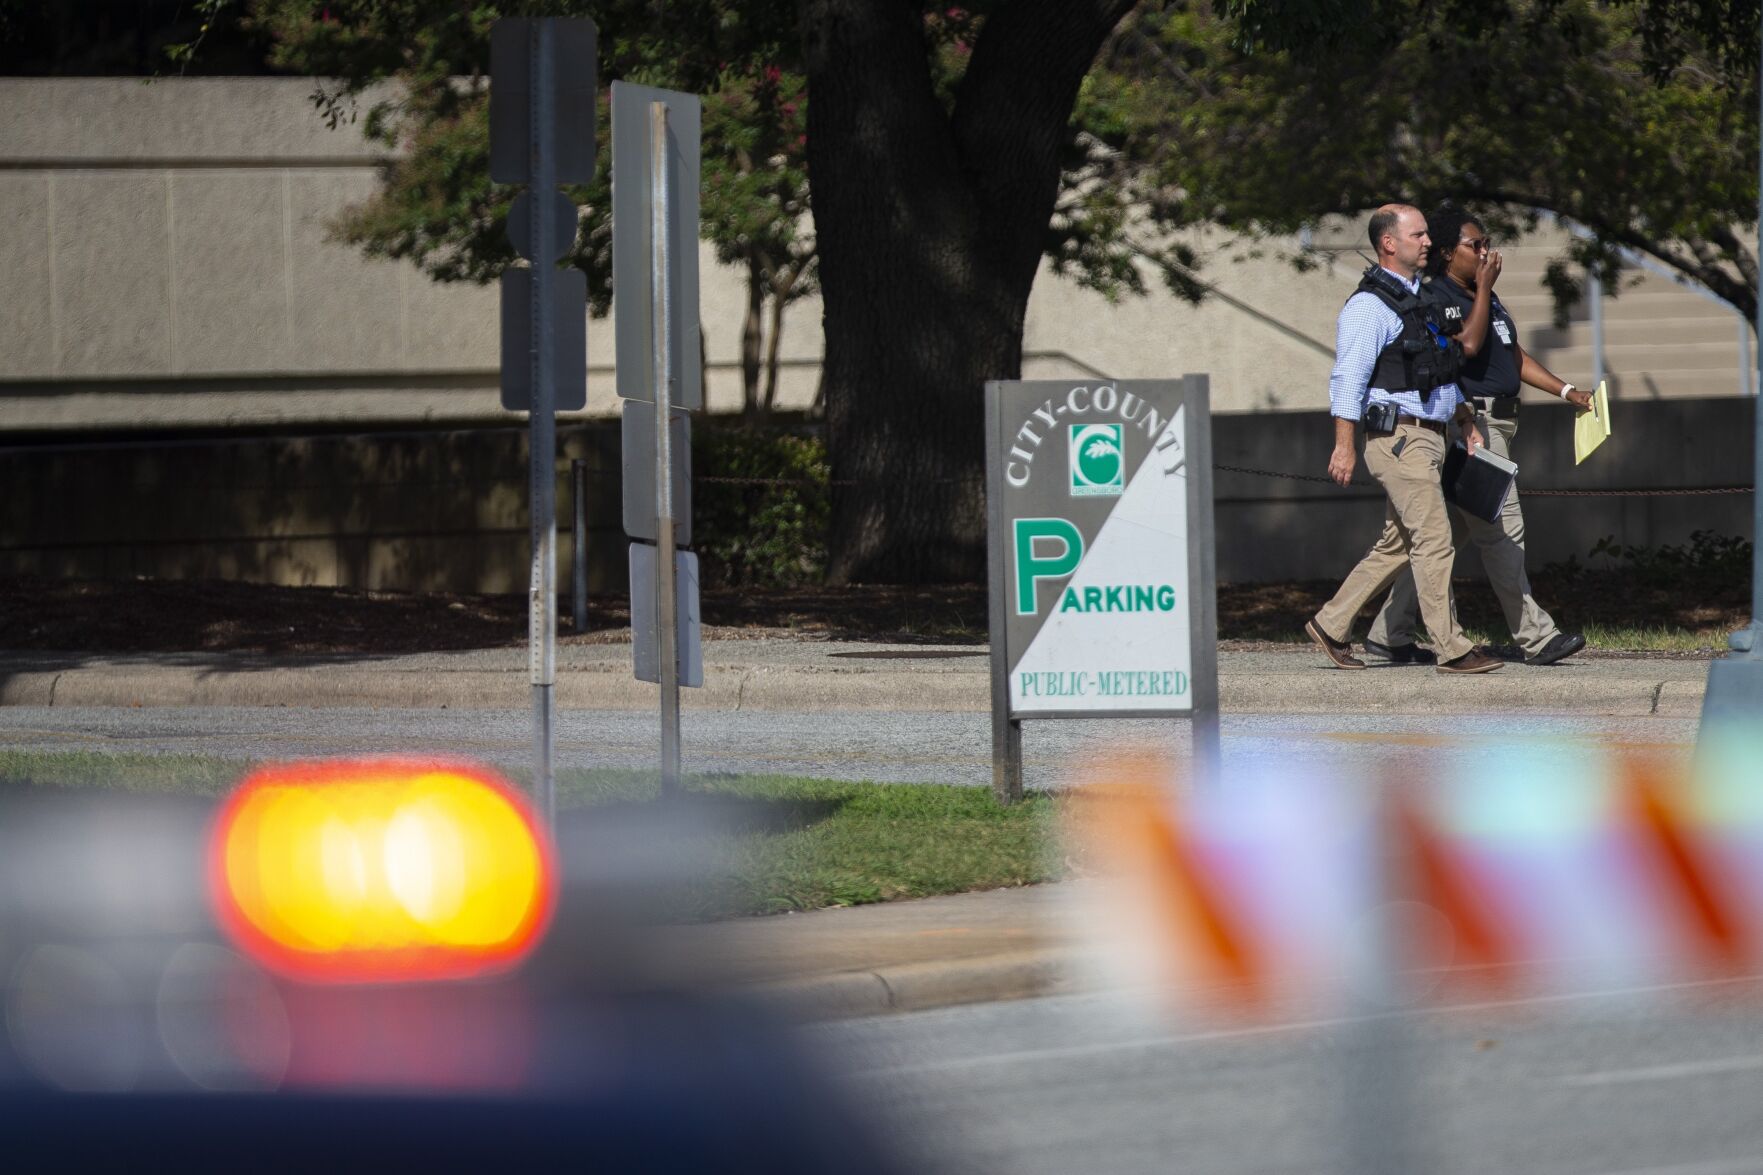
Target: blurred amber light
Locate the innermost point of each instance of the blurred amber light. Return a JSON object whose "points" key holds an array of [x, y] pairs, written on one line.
{"points": [[380, 871]]}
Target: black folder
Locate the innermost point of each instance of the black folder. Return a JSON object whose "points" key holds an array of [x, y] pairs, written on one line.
{"points": [[1477, 485]]}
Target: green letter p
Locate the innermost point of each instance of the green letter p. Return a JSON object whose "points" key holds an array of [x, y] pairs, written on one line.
{"points": [[1032, 566]]}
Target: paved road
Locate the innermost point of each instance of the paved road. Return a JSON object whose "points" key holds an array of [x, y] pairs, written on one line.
{"points": [[948, 748], [1612, 1084]]}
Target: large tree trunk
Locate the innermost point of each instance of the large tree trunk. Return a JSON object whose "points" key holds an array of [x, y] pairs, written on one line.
{"points": [[930, 226], [780, 301]]}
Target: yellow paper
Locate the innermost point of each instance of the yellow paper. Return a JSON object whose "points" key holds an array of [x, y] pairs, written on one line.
{"points": [[1590, 428]]}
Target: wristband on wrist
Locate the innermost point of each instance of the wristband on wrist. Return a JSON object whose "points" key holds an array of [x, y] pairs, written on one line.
{"points": [[1565, 388]]}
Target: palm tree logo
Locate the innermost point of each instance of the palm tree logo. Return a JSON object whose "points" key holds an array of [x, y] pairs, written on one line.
{"points": [[1097, 461]]}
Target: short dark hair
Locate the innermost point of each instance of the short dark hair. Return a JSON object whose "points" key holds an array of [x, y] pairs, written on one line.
{"points": [[1383, 221], [1445, 226]]}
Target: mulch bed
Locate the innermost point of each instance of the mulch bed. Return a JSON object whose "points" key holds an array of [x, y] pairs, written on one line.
{"points": [[149, 615]]}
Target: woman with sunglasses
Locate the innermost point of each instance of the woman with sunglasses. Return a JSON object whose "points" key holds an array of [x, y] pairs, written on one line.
{"points": [[1494, 366]]}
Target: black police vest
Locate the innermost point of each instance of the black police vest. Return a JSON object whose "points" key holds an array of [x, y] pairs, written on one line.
{"points": [[1423, 356], [1493, 372]]}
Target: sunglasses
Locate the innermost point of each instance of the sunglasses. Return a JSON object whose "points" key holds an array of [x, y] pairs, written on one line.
{"points": [[1479, 244]]}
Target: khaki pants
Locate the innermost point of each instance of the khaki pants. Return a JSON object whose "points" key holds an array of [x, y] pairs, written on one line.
{"points": [[1502, 554], [1416, 538]]}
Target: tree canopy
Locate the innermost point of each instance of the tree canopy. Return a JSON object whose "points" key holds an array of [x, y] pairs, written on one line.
{"points": [[1255, 115], [438, 207], [93, 38], [1636, 120]]}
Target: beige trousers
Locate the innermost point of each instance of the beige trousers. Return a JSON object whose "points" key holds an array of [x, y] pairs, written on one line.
{"points": [[1416, 538], [1502, 554]]}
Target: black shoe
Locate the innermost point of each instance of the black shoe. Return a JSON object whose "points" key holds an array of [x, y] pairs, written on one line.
{"points": [[1340, 652], [1408, 654], [1561, 647]]}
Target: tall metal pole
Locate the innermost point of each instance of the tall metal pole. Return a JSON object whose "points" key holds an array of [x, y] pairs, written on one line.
{"points": [[1751, 641], [661, 257], [1735, 683], [578, 547], [542, 597], [1595, 295], [1747, 383]]}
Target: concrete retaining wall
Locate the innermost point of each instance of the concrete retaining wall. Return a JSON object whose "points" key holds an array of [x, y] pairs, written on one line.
{"points": [[1275, 529], [447, 510], [168, 260], [418, 511]]}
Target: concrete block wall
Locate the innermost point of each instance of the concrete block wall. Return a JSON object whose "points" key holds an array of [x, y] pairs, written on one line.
{"points": [[435, 511], [446, 510], [1272, 528], [168, 263]]}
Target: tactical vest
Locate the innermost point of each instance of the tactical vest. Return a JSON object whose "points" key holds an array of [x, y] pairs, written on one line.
{"points": [[1493, 372], [1423, 356]]}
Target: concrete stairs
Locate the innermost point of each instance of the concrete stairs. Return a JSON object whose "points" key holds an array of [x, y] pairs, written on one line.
{"points": [[1661, 340]]}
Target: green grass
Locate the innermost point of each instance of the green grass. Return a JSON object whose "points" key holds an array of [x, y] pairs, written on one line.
{"points": [[788, 843], [1657, 640], [190, 775], [1616, 638], [746, 844]]}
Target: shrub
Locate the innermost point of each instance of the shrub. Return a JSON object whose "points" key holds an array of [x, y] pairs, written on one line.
{"points": [[1711, 562], [769, 528]]}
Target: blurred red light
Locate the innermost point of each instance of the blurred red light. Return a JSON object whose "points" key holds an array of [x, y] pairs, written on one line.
{"points": [[387, 870]]}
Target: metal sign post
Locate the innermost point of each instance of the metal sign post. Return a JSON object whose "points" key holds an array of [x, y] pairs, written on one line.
{"points": [[633, 228], [1103, 596], [578, 546], [1735, 682], [542, 135], [665, 612], [655, 288]]}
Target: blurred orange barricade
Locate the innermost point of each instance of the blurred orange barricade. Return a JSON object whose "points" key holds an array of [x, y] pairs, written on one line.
{"points": [[1521, 869], [1226, 899]]}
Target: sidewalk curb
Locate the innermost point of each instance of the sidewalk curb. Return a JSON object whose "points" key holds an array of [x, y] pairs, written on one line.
{"points": [[768, 688], [1409, 690], [918, 987], [320, 687]]}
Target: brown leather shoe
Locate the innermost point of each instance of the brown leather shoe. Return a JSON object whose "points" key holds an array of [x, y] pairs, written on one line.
{"points": [[1340, 652], [1474, 661]]}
